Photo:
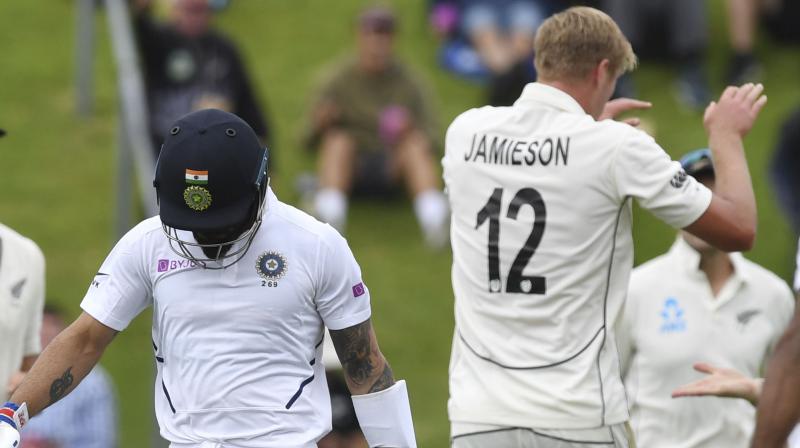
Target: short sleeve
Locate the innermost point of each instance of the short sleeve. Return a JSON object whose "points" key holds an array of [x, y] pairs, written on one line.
{"points": [[342, 299], [422, 103], [121, 289], [324, 91], [644, 171], [37, 292]]}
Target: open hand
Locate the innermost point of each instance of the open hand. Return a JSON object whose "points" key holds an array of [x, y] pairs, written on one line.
{"points": [[721, 382], [736, 111]]}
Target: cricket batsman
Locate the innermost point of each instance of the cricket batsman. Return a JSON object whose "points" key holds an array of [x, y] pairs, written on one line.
{"points": [[242, 287]]}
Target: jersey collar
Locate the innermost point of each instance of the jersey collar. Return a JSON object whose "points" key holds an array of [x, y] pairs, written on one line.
{"points": [[272, 200], [542, 94], [689, 260]]}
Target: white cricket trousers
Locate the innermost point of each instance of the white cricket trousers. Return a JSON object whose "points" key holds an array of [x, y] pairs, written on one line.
{"points": [[616, 436], [216, 445]]}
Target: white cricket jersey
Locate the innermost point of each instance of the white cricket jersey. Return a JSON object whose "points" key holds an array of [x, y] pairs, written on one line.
{"points": [[238, 350], [541, 234], [672, 321], [21, 302]]}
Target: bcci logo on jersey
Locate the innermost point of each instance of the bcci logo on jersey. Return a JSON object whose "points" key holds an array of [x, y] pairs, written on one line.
{"points": [[674, 321], [271, 265]]}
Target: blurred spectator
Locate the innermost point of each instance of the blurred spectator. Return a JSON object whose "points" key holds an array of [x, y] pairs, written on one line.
{"points": [[684, 25], [742, 19], [785, 168], [86, 418], [373, 127], [500, 31], [694, 303], [782, 17], [189, 66], [21, 301]]}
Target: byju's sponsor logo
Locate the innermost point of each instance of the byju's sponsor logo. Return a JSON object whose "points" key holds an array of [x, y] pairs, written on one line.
{"points": [[165, 265], [673, 315], [359, 290]]}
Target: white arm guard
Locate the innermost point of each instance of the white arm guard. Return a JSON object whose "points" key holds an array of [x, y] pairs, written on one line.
{"points": [[385, 417]]}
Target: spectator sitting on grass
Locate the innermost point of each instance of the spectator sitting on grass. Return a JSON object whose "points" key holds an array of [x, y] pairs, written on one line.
{"points": [[372, 126]]}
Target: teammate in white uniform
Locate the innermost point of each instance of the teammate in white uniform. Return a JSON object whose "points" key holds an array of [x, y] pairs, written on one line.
{"points": [[697, 303], [21, 304], [726, 382], [541, 197], [241, 287]]}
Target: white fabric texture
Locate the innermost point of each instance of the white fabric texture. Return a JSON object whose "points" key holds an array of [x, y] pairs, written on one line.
{"points": [[239, 349], [671, 321], [549, 188], [22, 290]]}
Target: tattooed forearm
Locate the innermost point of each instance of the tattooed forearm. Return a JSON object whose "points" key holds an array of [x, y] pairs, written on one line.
{"points": [[385, 381], [365, 368], [61, 385], [354, 348]]}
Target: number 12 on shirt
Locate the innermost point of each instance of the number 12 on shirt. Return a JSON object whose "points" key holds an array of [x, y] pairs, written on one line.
{"points": [[515, 281]]}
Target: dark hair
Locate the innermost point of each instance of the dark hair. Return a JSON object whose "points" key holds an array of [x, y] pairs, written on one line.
{"points": [[378, 19]]}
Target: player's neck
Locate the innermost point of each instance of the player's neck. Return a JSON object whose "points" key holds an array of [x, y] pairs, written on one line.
{"points": [[718, 268], [577, 90]]}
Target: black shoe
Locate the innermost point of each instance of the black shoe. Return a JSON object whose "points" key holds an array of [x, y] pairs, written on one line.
{"points": [[744, 68]]}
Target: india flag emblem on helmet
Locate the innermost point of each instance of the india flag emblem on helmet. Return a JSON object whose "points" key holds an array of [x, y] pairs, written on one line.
{"points": [[196, 177]]}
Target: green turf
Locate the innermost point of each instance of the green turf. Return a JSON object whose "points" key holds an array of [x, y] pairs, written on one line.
{"points": [[57, 170]]}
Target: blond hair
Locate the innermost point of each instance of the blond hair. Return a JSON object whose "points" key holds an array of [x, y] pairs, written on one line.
{"points": [[571, 43]]}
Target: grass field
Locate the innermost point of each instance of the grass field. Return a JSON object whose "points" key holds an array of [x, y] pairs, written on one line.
{"points": [[56, 173]]}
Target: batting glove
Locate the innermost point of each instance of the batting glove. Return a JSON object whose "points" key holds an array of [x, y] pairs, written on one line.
{"points": [[12, 418]]}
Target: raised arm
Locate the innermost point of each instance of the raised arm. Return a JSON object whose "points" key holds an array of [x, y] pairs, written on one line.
{"points": [[729, 223], [64, 363], [381, 404]]}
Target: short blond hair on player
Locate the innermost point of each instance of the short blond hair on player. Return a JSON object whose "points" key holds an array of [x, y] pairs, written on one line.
{"points": [[571, 43]]}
